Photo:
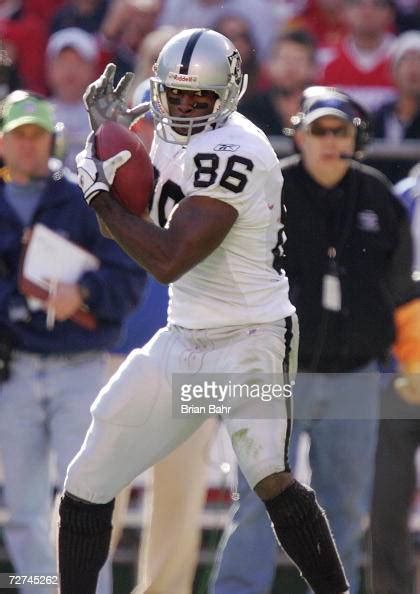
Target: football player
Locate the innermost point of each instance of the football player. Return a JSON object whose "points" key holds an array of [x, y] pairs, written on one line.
{"points": [[213, 234]]}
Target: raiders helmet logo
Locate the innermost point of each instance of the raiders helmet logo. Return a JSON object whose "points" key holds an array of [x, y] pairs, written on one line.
{"points": [[235, 66]]}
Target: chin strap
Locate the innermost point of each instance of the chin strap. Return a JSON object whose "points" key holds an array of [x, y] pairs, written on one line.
{"points": [[244, 86]]}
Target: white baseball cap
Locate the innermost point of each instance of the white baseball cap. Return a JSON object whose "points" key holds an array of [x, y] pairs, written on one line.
{"points": [[406, 42], [82, 42]]}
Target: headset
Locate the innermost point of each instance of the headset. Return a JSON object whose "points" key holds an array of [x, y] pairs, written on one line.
{"points": [[332, 101]]}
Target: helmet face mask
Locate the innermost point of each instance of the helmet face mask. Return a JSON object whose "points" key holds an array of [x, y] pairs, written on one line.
{"points": [[196, 60]]}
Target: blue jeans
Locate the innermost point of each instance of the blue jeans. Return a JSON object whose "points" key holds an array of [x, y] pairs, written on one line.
{"points": [[44, 409], [339, 412]]}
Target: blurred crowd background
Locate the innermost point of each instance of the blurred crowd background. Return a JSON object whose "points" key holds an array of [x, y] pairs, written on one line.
{"points": [[370, 48]]}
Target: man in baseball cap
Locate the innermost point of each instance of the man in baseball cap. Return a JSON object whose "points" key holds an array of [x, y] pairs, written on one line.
{"points": [[72, 60], [329, 112], [347, 257], [27, 136], [43, 350]]}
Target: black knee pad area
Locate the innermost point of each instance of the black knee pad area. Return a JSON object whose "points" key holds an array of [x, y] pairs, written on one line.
{"points": [[84, 517], [303, 531], [83, 543], [293, 506]]}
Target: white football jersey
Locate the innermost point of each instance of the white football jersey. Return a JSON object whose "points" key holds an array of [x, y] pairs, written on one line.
{"points": [[236, 284]]}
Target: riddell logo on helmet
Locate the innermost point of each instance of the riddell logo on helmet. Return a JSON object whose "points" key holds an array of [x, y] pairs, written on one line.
{"points": [[182, 79]]}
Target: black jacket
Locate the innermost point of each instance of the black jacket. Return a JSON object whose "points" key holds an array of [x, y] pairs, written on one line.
{"points": [[412, 130], [370, 232]]}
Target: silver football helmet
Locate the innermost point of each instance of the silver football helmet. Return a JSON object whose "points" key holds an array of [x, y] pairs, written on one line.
{"points": [[196, 60]]}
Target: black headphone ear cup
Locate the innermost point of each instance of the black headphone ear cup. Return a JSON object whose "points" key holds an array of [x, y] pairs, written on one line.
{"points": [[363, 127], [363, 135]]}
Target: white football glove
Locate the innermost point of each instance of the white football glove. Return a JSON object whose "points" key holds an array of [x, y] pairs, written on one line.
{"points": [[103, 102], [96, 176]]}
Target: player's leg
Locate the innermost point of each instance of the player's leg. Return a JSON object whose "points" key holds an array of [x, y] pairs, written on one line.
{"points": [[261, 445], [249, 535], [298, 520], [25, 456], [132, 428], [171, 541]]}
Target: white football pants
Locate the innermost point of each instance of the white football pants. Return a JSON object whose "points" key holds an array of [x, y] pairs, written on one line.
{"points": [[134, 425]]}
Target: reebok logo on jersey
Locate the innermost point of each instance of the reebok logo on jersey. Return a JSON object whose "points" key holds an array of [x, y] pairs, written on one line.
{"points": [[226, 147], [368, 221]]}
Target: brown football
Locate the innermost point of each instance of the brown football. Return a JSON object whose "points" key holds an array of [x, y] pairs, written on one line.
{"points": [[133, 183]]}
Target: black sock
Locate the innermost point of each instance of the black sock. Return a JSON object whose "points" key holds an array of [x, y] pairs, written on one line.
{"points": [[83, 543], [303, 531]]}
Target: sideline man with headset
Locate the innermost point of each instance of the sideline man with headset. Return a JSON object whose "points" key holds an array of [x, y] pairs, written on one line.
{"points": [[48, 376], [348, 260]]}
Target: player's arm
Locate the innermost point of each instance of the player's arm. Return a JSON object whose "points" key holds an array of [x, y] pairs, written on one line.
{"points": [[196, 228]]}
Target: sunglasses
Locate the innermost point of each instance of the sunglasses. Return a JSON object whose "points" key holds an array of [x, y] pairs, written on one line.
{"points": [[336, 131]]}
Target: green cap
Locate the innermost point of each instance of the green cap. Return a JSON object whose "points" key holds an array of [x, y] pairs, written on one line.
{"points": [[20, 108]]}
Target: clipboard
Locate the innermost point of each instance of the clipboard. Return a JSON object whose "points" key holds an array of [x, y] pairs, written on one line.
{"points": [[48, 255]]}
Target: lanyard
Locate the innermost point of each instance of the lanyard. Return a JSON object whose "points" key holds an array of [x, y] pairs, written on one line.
{"points": [[334, 252]]}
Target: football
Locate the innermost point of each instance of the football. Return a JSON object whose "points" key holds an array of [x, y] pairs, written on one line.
{"points": [[133, 182]]}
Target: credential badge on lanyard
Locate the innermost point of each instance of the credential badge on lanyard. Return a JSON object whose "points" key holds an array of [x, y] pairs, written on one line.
{"points": [[331, 286]]}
